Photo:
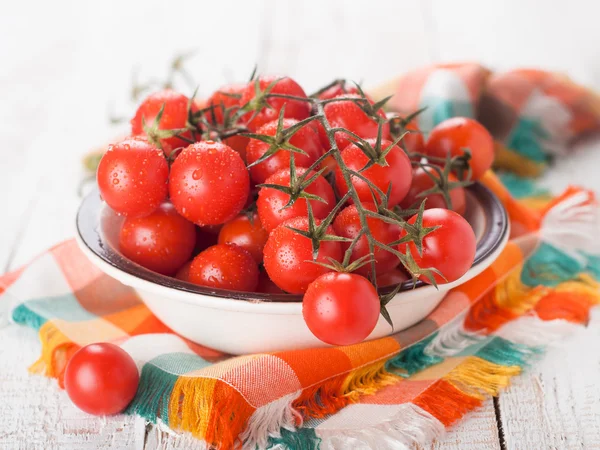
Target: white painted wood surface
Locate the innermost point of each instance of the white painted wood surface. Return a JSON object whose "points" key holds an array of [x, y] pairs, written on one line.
{"points": [[65, 62]]}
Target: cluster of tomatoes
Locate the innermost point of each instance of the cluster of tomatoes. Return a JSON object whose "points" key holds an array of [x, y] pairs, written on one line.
{"points": [[262, 188]]}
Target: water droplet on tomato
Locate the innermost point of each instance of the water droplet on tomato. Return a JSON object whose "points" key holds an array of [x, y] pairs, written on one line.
{"points": [[197, 174], [115, 181]]}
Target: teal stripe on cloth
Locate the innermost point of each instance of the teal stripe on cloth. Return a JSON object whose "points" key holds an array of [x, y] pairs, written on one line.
{"points": [[179, 363], [593, 265], [300, 439], [24, 316], [440, 109], [549, 266], [526, 139], [413, 359], [520, 187], [506, 353]]}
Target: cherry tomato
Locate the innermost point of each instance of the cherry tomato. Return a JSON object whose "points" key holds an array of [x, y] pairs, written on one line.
{"points": [[266, 286], [294, 109], [455, 134], [341, 308], [245, 233], [101, 379], [338, 90], [183, 274], [238, 143], [347, 114], [413, 142], [270, 201], [209, 183], [421, 182], [206, 237], [133, 177], [162, 241], [347, 224], [175, 115], [228, 96], [398, 173], [392, 278], [306, 139], [225, 266], [288, 256], [450, 248]]}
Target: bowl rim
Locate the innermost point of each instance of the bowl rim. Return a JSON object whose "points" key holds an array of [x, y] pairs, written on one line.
{"points": [[89, 237]]}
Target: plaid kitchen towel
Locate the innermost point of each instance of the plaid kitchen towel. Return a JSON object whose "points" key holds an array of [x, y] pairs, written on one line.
{"points": [[400, 390]]}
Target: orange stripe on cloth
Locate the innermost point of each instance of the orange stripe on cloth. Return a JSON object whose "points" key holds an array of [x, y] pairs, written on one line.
{"points": [[446, 402]]}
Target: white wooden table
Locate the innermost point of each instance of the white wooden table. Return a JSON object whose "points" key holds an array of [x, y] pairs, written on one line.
{"points": [[65, 62]]}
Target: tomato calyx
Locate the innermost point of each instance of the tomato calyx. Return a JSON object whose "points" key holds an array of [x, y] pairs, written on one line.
{"points": [[281, 140], [155, 133]]}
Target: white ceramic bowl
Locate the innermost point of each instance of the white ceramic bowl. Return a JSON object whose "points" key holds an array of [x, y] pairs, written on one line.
{"points": [[242, 322]]}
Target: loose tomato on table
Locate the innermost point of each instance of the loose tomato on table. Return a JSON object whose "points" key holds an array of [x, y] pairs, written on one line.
{"points": [[288, 256], [133, 177], [225, 266], [348, 114], [452, 136], [271, 202], [306, 139], [209, 183], [162, 241], [450, 248], [347, 224], [341, 308], [397, 172], [294, 109], [245, 231], [175, 116], [101, 379], [421, 182]]}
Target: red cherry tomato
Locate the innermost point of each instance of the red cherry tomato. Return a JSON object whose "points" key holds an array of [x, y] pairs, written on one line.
{"points": [[306, 139], [413, 142], [347, 224], [228, 96], [133, 177], [162, 241], [225, 266], [288, 255], [398, 173], [266, 286], [250, 235], [338, 90], [183, 274], [238, 143], [294, 109], [450, 249], [206, 237], [101, 379], [392, 278], [341, 308], [455, 134], [209, 183], [347, 114], [174, 116], [421, 182], [270, 201]]}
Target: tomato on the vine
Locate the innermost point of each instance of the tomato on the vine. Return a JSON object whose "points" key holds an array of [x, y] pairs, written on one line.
{"points": [[422, 182], [413, 142], [454, 135], [133, 176], [294, 109], [209, 183], [338, 90], [450, 248], [162, 241], [271, 202], [225, 266], [229, 97], [306, 139], [341, 308], [392, 278], [397, 173], [288, 256], [347, 224], [348, 114], [246, 233], [174, 116], [101, 379]]}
